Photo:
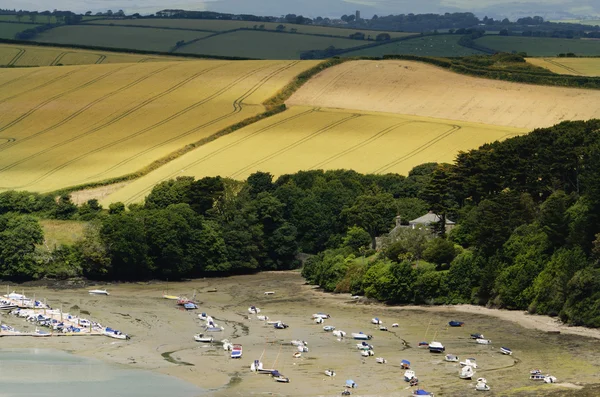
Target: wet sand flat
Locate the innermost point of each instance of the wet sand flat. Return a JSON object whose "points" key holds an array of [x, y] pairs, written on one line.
{"points": [[162, 340]]}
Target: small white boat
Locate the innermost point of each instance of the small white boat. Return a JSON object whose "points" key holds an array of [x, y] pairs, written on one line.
{"points": [[409, 374], [376, 320], [364, 346], [482, 385], [269, 292], [113, 333], [262, 318], [380, 360], [302, 349], [339, 334], [328, 328], [319, 320], [202, 338], [395, 325], [253, 309], [361, 336], [549, 379], [329, 372], [469, 362], [367, 353], [279, 377], [436, 347], [297, 355], [506, 350], [383, 328], [483, 341], [535, 372], [256, 366], [203, 316], [451, 358], [98, 292], [296, 342], [324, 316], [466, 372]]}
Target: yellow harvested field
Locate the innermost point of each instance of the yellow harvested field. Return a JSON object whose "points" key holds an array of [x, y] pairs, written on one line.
{"points": [[72, 125], [413, 88], [573, 66], [24, 55], [304, 138]]}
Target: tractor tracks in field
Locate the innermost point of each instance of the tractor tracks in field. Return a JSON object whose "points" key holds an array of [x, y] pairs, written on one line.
{"points": [[294, 144], [223, 149], [237, 108], [367, 141], [59, 57], [565, 67], [18, 56], [37, 87], [87, 107], [104, 125], [418, 150], [62, 94]]}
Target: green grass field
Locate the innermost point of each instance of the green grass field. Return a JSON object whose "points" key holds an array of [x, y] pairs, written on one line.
{"points": [[58, 232], [220, 26], [441, 46], [263, 45], [540, 46], [9, 30], [40, 19], [591, 22], [118, 37]]}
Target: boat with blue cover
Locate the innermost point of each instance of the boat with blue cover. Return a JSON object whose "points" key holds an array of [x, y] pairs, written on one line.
{"points": [[405, 364], [456, 323], [506, 350], [421, 392]]}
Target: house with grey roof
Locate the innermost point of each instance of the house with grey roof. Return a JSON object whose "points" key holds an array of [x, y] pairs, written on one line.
{"points": [[428, 219]]}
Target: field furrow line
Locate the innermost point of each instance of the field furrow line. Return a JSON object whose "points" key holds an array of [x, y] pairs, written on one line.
{"points": [[58, 58], [223, 149], [7, 141], [25, 76], [359, 145], [418, 149], [101, 59], [88, 106], [293, 145], [55, 97], [112, 121], [47, 83], [236, 109], [17, 57], [560, 65]]}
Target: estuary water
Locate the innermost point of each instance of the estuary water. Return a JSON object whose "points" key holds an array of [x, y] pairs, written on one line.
{"points": [[53, 373]]}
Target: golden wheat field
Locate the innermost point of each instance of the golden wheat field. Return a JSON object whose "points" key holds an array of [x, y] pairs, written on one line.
{"points": [[72, 125], [406, 87], [305, 138], [24, 55], [573, 66]]}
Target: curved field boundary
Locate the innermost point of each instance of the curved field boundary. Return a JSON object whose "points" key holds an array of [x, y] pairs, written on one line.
{"points": [[418, 150], [237, 108], [87, 107], [110, 122], [59, 57], [47, 101], [17, 57], [293, 145], [47, 83], [373, 138], [221, 150]]}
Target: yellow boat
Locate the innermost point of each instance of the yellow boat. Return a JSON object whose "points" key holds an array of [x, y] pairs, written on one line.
{"points": [[171, 297]]}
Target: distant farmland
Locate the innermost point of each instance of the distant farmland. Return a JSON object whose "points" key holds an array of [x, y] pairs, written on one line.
{"points": [[77, 124], [540, 46], [305, 138], [31, 55], [161, 40], [574, 66], [223, 25], [264, 45], [439, 45], [9, 30], [406, 87]]}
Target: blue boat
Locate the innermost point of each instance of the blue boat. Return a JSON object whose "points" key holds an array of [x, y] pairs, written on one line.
{"points": [[351, 384], [405, 364], [421, 392], [190, 306], [456, 323]]}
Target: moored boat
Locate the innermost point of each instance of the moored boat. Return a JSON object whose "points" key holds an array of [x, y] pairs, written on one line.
{"points": [[213, 329], [280, 325], [405, 364], [203, 338], [436, 347], [454, 323], [279, 377], [98, 292], [408, 375], [329, 372], [423, 344], [482, 385], [190, 306], [236, 352], [383, 328], [506, 350], [484, 341], [466, 372], [380, 360], [421, 392], [361, 336], [253, 309], [339, 334], [471, 362], [256, 366], [296, 342], [324, 316], [451, 358], [364, 346], [395, 325], [113, 333], [328, 328], [477, 336], [367, 353], [376, 320]]}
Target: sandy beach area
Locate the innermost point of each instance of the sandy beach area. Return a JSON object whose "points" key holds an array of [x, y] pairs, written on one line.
{"points": [[162, 340]]}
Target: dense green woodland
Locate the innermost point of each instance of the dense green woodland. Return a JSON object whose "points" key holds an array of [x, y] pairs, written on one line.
{"points": [[527, 234]]}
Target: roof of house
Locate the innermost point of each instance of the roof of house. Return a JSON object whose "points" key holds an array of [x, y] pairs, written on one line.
{"points": [[428, 219]]}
